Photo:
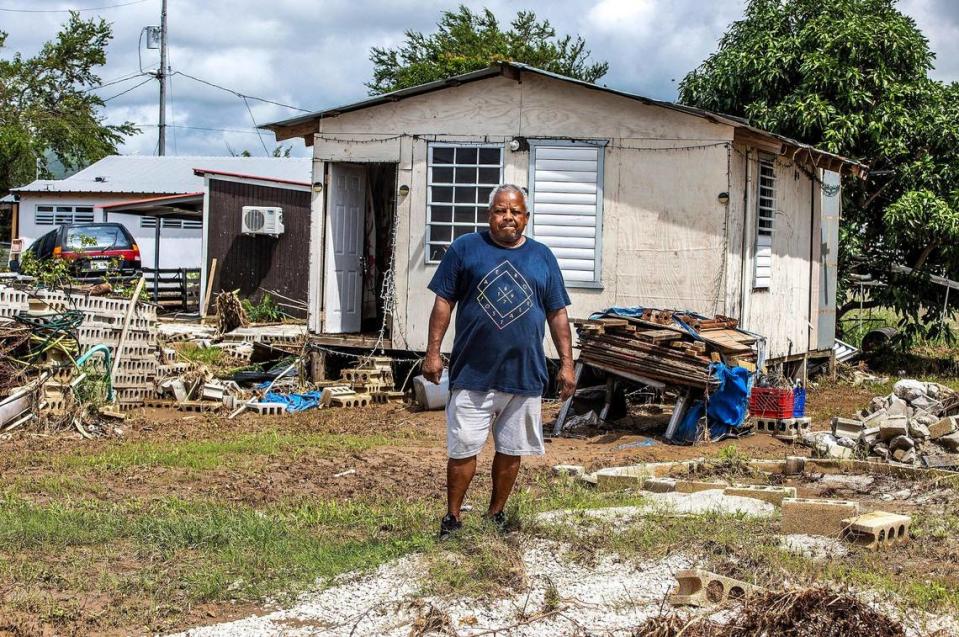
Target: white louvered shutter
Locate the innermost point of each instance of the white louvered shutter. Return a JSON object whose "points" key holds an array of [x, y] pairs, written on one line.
{"points": [[567, 206], [765, 222]]}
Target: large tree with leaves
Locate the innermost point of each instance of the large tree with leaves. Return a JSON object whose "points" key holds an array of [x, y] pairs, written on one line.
{"points": [[467, 41], [851, 76], [47, 106]]}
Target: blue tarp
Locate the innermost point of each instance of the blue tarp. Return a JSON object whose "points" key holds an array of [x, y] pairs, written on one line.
{"points": [[728, 404], [295, 402], [725, 410]]}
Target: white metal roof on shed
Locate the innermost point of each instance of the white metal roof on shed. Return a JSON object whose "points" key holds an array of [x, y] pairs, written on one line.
{"points": [[166, 175]]}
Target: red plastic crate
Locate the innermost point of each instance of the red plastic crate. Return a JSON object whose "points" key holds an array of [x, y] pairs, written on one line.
{"points": [[771, 402]]}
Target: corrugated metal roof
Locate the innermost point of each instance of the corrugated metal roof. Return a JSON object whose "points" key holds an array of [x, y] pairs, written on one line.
{"points": [[166, 175], [511, 69]]}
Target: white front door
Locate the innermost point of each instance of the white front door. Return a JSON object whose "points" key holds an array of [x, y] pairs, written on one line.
{"points": [[343, 277]]}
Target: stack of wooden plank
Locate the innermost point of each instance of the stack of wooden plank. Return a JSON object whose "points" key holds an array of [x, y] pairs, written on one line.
{"points": [[656, 347]]}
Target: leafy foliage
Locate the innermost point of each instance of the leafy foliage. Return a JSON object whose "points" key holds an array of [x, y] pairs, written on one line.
{"points": [[468, 41], [266, 311], [46, 104], [851, 76], [51, 273]]}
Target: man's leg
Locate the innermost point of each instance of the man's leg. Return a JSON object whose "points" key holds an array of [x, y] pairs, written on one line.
{"points": [[505, 469], [459, 474], [518, 431]]}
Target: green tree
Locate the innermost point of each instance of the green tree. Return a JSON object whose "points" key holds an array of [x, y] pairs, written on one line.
{"points": [[46, 104], [466, 41], [851, 76]]}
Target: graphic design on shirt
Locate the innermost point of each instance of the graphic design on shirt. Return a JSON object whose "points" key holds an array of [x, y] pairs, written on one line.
{"points": [[504, 294]]}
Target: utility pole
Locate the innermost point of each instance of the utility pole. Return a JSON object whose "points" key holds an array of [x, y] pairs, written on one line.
{"points": [[161, 75]]}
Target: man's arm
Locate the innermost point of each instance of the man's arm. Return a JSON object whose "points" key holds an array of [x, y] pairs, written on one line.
{"points": [[439, 323], [563, 340]]}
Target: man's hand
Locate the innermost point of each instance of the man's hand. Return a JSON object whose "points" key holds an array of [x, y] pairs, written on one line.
{"points": [[565, 381], [439, 320], [433, 367]]}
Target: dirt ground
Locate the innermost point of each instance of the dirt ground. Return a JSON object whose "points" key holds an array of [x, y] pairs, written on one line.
{"points": [[409, 465], [410, 468]]}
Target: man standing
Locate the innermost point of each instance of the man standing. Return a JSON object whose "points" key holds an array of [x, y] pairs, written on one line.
{"points": [[507, 287]]}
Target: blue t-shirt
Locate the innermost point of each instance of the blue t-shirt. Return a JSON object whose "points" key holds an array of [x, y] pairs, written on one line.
{"points": [[502, 296]]}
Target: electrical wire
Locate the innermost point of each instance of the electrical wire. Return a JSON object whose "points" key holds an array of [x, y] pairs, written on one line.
{"points": [[149, 79], [238, 94], [109, 6], [252, 119], [115, 81]]}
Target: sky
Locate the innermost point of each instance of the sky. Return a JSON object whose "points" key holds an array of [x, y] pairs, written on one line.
{"points": [[314, 54]]}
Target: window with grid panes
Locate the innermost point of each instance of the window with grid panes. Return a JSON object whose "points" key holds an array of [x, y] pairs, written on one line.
{"points": [[460, 180], [59, 215], [765, 220]]}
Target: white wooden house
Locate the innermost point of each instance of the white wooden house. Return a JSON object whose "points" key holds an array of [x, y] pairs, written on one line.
{"points": [[643, 202]]}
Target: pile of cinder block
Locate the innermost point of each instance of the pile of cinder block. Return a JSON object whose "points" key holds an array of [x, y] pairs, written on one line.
{"points": [[915, 424], [103, 320]]}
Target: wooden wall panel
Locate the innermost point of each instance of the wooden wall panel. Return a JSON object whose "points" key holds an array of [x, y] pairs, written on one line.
{"points": [[252, 264]]}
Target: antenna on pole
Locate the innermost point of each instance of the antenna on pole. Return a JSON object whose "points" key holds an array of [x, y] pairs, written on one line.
{"points": [[161, 76]]}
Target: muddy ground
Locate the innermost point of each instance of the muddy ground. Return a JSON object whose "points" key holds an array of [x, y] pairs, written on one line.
{"points": [[408, 465]]}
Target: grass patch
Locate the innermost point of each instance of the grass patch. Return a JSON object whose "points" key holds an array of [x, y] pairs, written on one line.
{"points": [[209, 356], [210, 454], [178, 553], [478, 561]]}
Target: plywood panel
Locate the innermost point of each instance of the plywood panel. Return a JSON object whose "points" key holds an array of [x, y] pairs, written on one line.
{"points": [[252, 264]]}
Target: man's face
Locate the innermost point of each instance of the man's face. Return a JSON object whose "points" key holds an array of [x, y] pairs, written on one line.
{"points": [[508, 217]]}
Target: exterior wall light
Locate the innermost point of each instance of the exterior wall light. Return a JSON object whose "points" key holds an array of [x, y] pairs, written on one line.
{"points": [[724, 198], [404, 190]]}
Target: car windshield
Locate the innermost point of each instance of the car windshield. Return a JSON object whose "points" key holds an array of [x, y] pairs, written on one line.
{"points": [[96, 238]]}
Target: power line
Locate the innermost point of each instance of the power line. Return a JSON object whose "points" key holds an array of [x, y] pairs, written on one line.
{"points": [[252, 119], [149, 79], [112, 82], [241, 95], [109, 6]]}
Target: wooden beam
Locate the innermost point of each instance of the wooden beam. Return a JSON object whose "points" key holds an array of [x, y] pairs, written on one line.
{"points": [[767, 144], [299, 130]]}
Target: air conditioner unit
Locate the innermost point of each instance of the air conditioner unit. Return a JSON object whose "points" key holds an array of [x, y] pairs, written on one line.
{"points": [[262, 220]]}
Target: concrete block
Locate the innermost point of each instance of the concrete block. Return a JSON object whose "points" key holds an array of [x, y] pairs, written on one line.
{"points": [[795, 465], [897, 407], [616, 478], [197, 405], [568, 470], [788, 428], [905, 456], [917, 430], [816, 516], [901, 442], [769, 466], [944, 427], [702, 588], [354, 400], [264, 409], [877, 530], [695, 486], [335, 391], [950, 442], [875, 418], [771, 494], [659, 485], [846, 427], [869, 437], [894, 426]]}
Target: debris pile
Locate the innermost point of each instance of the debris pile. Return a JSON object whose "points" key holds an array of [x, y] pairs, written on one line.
{"points": [[59, 349], [811, 611], [673, 348], [916, 424]]}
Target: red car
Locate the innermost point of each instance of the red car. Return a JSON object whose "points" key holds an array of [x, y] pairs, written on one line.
{"points": [[92, 248]]}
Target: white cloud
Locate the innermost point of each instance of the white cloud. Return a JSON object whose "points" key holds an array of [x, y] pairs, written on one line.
{"points": [[316, 54]]}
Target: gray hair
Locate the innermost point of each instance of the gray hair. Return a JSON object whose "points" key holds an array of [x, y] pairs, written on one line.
{"points": [[509, 188]]}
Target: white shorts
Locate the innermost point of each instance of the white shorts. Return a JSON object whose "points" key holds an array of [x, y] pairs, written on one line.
{"points": [[516, 422]]}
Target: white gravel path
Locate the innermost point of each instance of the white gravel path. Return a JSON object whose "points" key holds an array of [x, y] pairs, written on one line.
{"points": [[673, 503], [608, 598]]}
